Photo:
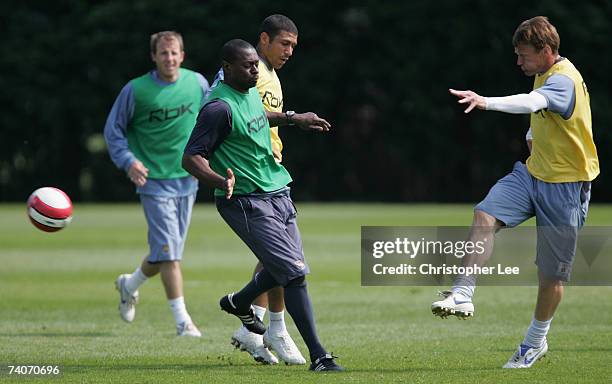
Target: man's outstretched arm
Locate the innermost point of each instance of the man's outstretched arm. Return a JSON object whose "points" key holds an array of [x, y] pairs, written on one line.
{"points": [[518, 104], [306, 121]]}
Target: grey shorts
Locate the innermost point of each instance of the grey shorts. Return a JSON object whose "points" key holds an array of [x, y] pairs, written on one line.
{"points": [[168, 219], [267, 224], [560, 210]]}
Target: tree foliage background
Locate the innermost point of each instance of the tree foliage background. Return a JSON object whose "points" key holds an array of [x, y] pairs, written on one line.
{"points": [[378, 70]]}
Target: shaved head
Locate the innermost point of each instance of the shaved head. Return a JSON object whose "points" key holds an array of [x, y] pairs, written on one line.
{"points": [[240, 65], [233, 50]]}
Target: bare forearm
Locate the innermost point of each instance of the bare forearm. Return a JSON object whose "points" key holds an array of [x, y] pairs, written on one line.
{"points": [[306, 121], [277, 118], [199, 168]]}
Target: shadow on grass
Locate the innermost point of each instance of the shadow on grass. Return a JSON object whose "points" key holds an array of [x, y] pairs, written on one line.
{"points": [[565, 349], [58, 334], [283, 371], [222, 364], [422, 369]]}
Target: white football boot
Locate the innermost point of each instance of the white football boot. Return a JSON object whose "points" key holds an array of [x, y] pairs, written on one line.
{"points": [[253, 344], [451, 305], [127, 302], [188, 329], [525, 356], [284, 347]]}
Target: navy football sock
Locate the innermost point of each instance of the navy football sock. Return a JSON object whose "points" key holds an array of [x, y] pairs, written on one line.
{"points": [[299, 307], [262, 282]]}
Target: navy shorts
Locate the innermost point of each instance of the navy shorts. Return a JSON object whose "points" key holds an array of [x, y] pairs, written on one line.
{"points": [[560, 210], [268, 226]]}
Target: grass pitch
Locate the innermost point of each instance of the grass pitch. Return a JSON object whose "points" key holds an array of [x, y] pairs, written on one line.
{"points": [[59, 306]]}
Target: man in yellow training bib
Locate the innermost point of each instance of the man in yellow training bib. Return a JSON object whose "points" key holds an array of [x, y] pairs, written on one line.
{"points": [[554, 185]]}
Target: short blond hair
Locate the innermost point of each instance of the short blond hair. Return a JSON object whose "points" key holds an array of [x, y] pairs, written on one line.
{"points": [[166, 35], [537, 32]]}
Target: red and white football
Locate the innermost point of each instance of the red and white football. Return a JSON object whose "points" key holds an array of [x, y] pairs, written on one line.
{"points": [[50, 209]]}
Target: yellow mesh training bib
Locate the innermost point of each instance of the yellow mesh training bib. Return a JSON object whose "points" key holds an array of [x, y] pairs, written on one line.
{"points": [[563, 150]]}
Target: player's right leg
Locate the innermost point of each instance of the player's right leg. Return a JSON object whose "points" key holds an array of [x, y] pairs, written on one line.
{"points": [[250, 342], [239, 303], [269, 228], [458, 300], [277, 337], [237, 215], [508, 203], [253, 343], [452, 305], [128, 284]]}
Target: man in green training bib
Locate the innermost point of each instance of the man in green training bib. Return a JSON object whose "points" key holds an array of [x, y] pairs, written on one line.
{"points": [[146, 132], [230, 149]]}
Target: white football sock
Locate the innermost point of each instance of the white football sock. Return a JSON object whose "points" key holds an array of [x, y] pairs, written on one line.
{"points": [[463, 287], [277, 323], [135, 280], [259, 311], [536, 333], [179, 310]]}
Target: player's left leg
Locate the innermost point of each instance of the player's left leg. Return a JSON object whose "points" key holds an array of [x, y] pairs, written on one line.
{"points": [[168, 219], [297, 299], [171, 273], [534, 345], [300, 308], [561, 211], [172, 279], [277, 337]]}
